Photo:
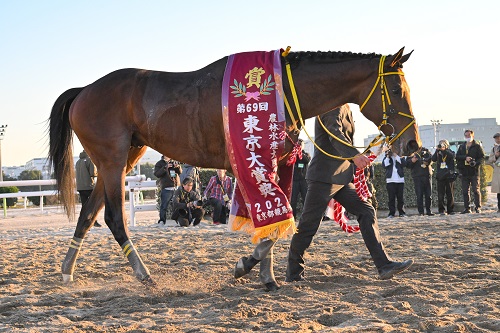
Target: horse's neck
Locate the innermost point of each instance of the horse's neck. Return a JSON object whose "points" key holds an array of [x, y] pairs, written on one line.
{"points": [[324, 87]]}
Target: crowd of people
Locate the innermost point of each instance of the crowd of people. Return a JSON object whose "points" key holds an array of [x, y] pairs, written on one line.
{"points": [[181, 187], [463, 166]]}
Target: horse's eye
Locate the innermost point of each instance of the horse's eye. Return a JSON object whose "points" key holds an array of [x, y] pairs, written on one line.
{"points": [[396, 91]]}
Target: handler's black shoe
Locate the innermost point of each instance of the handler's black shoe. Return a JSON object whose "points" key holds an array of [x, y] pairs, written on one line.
{"points": [[244, 266], [389, 270]]}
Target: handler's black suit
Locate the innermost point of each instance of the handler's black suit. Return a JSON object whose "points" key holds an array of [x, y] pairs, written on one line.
{"points": [[329, 178]]}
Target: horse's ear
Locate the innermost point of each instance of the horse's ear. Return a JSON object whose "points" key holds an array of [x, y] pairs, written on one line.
{"points": [[397, 57], [406, 57]]}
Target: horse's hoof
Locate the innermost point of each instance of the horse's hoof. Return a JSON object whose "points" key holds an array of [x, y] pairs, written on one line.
{"points": [[149, 282], [244, 266], [67, 278], [240, 269], [271, 286]]}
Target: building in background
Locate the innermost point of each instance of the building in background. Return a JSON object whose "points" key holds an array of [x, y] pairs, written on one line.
{"points": [[484, 129], [12, 171], [41, 164]]}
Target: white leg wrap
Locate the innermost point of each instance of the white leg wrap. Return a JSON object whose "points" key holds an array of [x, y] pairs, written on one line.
{"points": [[262, 249], [140, 270], [68, 265], [266, 273], [67, 278]]}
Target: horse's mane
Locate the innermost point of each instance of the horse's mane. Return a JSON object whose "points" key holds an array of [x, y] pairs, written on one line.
{"points": [[296, 57]]}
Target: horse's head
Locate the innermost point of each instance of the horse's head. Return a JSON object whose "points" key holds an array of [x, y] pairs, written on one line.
{"points": [[388, 104]]}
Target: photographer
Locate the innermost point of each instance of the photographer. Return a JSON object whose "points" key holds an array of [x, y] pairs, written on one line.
{"points": [[167, 171], [469, 158], [219, 192], [445, 176], [187, 205], [421, 172], [494, 161]]}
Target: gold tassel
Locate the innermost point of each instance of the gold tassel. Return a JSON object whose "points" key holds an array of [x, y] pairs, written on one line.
{"points": [[275, 231]]}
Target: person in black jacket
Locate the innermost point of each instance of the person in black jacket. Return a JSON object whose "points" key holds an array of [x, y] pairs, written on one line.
{"points": [[299, 179], [445, 176], [167, 171], [421, 171], [329, 178], [188, 207], [470, 156], [395, 182]]}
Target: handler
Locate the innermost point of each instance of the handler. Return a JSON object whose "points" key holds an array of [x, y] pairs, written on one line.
{"points": [[329, 178]]}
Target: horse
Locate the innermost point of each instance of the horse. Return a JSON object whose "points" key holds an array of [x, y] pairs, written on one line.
{"points": [[179, 115]]}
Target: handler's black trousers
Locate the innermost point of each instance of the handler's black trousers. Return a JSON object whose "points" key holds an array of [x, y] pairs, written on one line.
{"points": [[298, 187], [317, 198]]}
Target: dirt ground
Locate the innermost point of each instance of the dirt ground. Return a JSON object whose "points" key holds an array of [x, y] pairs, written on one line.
{"points": [[452, 287]]}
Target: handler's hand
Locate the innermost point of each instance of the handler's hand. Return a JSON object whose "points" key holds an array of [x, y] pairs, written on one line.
{"points": [[361, 161]]}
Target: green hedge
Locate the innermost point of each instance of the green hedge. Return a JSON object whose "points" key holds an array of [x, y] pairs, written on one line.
{"points": [[9, 201], [409, 191]]}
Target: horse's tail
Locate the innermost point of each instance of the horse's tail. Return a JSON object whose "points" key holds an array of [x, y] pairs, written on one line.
{"points": [[61, 151]]}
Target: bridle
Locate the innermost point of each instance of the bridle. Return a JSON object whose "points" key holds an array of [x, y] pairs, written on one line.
{"points": [[380, 138], [385, 94]]}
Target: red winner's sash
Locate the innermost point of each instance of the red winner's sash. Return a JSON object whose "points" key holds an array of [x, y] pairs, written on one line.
{"points": [[254, 123]]}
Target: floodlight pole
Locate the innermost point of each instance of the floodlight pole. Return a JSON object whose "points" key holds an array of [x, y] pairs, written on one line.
{"points": [[436, 124], [2, 134]]}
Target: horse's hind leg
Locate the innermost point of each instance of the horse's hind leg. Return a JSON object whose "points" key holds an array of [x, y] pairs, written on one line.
{"points": [[266, 273], [262, 253], [89, 213], [114, 213]]}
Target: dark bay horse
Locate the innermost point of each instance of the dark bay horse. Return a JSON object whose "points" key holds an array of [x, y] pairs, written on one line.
{"points": [[180, 115]]}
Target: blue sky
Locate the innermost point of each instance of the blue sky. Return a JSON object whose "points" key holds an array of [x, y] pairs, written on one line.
{"points": [[50, 46]]}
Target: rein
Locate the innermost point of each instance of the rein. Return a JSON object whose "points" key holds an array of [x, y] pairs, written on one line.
{"points": [[379, 139]]}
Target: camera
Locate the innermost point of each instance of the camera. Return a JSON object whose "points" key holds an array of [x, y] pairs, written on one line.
{"points": [[440, 146], [472, 162], [426, 158], [198, 203], [172, 163]]}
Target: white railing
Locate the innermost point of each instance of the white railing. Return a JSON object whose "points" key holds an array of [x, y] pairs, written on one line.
{"points": [[21, 183], [134, 184], [134, 187]]}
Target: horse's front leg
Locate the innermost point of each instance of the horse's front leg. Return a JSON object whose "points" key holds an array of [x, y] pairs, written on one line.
{"points": [[88, 215], [263, 253]]}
